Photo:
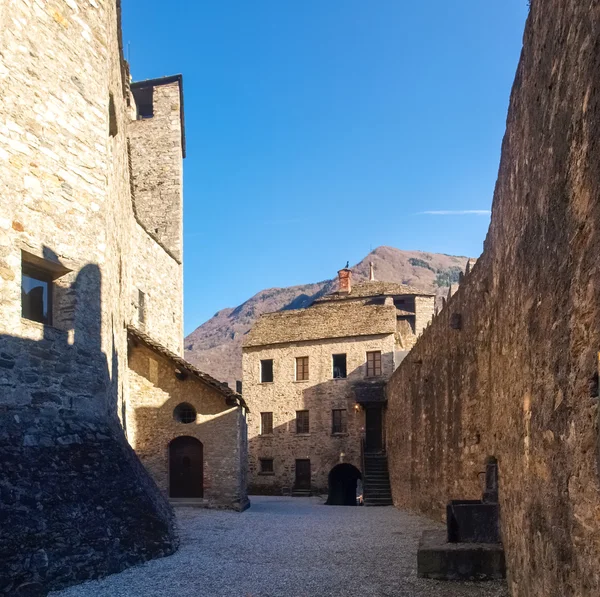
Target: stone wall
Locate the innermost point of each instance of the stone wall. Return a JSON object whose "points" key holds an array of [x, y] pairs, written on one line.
{"points": [[517, 378], [320, 394], [155, 391], [66, 204], [156, 159]]}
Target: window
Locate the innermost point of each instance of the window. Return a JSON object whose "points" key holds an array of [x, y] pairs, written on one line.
{"points": [[266, 371], [141, 306], [184, 413], [301, 368], [374, 363], [339, 366], [266, 423], [36, 294], [302, 425], [338, 420], [266, 466], [144, 101]]}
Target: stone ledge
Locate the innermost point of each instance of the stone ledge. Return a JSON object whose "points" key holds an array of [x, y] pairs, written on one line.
{"points": [[440, 560]]}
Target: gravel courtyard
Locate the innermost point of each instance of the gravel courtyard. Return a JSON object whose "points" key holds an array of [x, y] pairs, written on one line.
{"points": [[288, 547]]}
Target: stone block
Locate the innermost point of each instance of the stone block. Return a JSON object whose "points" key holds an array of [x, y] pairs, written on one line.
{"points": [[440, 560]]}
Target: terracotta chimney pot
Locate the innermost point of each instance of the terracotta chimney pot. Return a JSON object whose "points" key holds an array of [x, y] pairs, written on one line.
{"points": [[345, 281]]}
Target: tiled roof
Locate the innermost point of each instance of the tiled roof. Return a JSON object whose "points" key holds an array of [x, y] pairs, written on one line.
{"points": [[221, 387], [372, 289], [338, 320]]}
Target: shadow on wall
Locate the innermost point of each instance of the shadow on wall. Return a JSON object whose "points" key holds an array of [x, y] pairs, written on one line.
{"points": [[324, 448], [75, 502]]}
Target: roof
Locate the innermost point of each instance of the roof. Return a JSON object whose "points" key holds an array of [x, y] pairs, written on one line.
{"points": [[167, 81], [340, 320], [372, 289], [230, 396]]}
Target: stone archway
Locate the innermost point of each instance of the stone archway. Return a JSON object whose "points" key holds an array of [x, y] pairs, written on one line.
{"points": [[342, 485], [186, 468]]}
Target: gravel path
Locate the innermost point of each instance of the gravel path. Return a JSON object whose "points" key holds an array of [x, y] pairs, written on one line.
{"points": [[288, 547]]}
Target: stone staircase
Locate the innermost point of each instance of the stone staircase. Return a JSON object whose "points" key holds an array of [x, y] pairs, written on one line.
{"points": [[376, 480]]}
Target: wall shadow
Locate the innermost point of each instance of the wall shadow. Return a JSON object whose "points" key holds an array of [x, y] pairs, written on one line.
{"points": [[75, 503]]}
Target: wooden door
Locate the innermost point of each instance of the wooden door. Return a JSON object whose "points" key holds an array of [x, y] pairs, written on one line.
{"points": [[186, 468], [373, 429], [302, 474]]}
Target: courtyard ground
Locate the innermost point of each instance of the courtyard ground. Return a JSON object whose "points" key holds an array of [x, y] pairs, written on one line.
{"points": [[288, 547]]}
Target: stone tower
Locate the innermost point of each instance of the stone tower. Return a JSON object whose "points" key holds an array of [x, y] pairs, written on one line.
{"points": [[90, 241]]}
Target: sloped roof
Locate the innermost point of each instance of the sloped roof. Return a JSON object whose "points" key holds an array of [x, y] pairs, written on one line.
{"points": [[372, 289], [340, 320], [153, 345]]}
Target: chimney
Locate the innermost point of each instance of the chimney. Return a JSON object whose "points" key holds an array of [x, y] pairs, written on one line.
{"points": [[345, 281], [371, 272]]}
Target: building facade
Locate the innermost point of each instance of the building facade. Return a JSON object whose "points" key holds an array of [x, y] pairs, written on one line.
{"points": [[90, 243], [314, 382]]}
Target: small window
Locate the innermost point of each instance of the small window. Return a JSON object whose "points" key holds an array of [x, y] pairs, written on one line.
{"points": [[301, 368], [266, 371], [338, 420], [144, 101], [266, 466], [339, 366], [36, 294], [302, 424], [266, 423], [374, 363], [184, 413], [141, 306]]}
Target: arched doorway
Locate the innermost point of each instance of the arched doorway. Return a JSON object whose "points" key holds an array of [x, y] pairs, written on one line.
{"points": [[186, 468], [342, 485]]}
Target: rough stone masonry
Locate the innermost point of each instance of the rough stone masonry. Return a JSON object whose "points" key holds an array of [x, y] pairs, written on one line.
{"points": [[509, 368], [75, 502]]}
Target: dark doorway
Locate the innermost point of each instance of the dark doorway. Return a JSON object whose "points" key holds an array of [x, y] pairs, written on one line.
{"points": [[373, 426], [186, 468], [342, 485], [302, 474]]}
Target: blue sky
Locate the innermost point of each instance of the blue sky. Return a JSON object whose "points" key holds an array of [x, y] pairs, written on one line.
{"points": [[319, 129]]}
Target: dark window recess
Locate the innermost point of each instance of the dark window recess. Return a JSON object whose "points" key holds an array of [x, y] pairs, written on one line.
{"points": [[184, 413], [141, 306], [113, 127], [266, 466], [302, 421], [374, 363], [339, 366], [266, 371], [36, 294], [238, 386], [338, 420], [266, 423], [301, 368], [144, 101]]}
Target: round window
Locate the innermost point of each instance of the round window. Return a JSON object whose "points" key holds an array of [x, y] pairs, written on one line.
{"points": [[184, 413]]}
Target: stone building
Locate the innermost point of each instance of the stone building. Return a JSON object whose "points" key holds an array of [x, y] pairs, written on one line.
{"points": [[90, 243], [314, 381], [509, 368]]}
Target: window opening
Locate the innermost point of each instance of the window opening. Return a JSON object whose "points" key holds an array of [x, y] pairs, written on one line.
{"points": [[36, 294], [266, 423], [266, 371], [338, 420], [301, 368], [339, 366], [302, 421], [184, 413], [266, 466], [374, 363]]}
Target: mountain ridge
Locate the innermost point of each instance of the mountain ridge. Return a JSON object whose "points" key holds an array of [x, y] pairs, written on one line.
{"points": [[216, 345]]}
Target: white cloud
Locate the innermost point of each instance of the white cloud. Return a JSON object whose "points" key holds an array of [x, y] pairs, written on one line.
{"points": [[456, 212]]}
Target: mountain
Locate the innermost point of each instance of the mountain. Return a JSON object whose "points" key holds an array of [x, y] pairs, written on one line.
{"points": [[216, 346]]}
